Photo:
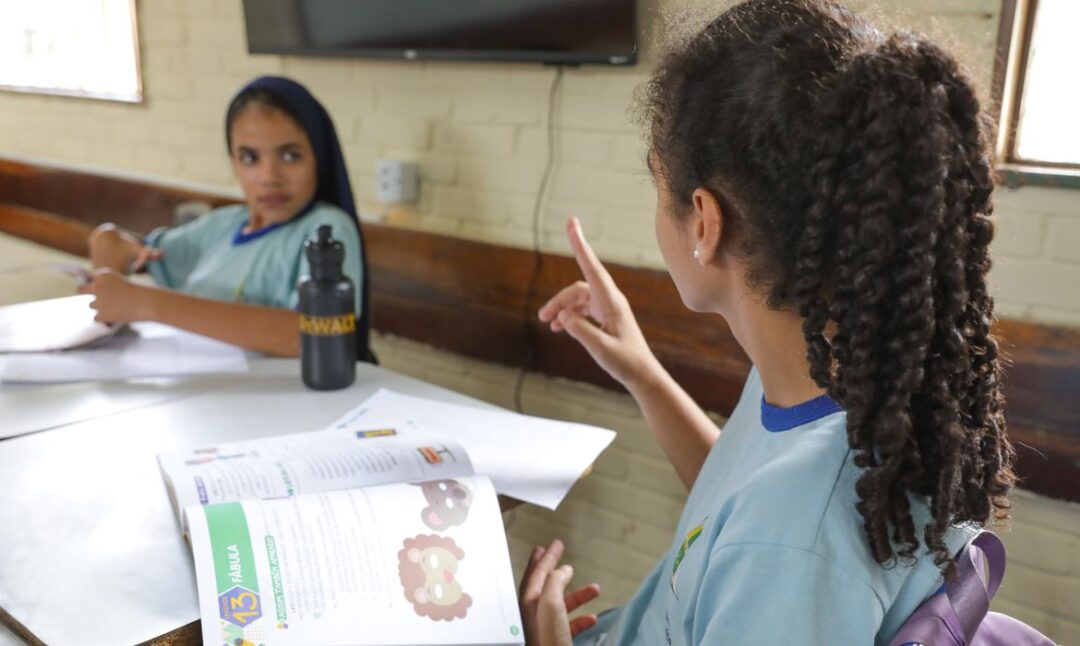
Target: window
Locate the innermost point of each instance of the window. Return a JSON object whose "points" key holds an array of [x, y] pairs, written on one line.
{"points": [[73, 47], [1037, 86]]}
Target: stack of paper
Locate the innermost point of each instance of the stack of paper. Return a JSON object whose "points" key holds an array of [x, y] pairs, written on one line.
{"points": [[54, 324], [146, 350]]}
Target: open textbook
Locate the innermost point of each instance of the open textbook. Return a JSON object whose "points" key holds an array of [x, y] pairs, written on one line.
{"points": [[359, 566], [303, 538], [297, 540], [286, 466], [531, 459]]}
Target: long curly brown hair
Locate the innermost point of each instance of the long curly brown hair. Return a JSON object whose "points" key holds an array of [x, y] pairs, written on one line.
{"points": [[855, 175]]}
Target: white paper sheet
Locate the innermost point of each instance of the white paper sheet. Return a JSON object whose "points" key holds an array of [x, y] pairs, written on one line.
{"points": [[532, 459], [53, 324], [147, 350]]}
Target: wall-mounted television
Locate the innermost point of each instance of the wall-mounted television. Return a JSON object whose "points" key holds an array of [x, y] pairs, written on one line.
{"points": [[544, 31]]}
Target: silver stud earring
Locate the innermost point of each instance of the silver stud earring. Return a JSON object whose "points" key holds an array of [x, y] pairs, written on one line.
{"points": [[697, 254]]}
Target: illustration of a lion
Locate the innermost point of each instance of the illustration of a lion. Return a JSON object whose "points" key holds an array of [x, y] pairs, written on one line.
{"points": [[426, 565]]}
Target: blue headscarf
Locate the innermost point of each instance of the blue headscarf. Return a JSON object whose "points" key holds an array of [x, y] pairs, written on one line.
{"points": [[331, 174], [333, 177]]}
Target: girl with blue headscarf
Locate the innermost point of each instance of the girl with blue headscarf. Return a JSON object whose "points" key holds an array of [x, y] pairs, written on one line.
{"points": [[232, 274]]}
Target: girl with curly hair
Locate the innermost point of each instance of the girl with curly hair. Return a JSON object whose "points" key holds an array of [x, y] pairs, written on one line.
{"points": [[825, 188]]}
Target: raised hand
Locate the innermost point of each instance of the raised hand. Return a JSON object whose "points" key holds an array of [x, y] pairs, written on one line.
{"points": [[598, 316]]}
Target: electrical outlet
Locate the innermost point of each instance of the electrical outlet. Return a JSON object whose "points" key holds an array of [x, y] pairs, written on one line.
{"points": [[396, 181]]}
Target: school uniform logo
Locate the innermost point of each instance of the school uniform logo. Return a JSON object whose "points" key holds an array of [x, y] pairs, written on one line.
{"points": [[691, 538]]}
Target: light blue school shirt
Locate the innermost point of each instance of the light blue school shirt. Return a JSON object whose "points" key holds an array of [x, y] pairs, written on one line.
{"points": [[770, 548], [212, 258]]}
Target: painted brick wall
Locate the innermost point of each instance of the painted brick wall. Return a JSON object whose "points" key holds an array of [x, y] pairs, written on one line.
{"points": [[479, 134]]}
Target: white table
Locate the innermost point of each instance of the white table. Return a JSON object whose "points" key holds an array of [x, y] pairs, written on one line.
{"points": [[30, 408], [90, 552]]}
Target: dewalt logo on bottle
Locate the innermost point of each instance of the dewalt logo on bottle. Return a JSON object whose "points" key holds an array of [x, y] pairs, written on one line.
{"points": [[328, 325]]}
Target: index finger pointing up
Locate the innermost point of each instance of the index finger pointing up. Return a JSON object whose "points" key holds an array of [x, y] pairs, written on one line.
{"points": [[594, 272]]}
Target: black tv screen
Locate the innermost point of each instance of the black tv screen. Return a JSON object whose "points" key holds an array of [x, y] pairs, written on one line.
{"points": [[546, 31]]}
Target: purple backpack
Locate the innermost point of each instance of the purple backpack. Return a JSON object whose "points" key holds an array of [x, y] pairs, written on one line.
{"points": [[960, 615]]}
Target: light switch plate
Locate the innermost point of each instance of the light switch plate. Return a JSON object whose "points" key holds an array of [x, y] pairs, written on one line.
{"points": [[397, 181]]}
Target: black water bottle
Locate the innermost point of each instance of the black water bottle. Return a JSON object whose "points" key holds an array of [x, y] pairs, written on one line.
{"points": [[327, 316]]}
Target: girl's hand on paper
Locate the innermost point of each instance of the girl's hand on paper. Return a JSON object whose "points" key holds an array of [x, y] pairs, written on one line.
{"points": [[117, 300], [598, 316], [545, 604]]}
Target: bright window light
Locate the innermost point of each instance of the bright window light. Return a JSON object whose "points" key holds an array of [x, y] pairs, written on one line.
{"points": [[1049, 126], [74, 47]]}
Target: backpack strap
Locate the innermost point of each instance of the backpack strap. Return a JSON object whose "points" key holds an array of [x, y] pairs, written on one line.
{"points": [[968, 594]]}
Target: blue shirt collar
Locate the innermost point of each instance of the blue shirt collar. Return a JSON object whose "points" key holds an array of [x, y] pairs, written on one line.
{"points": [[776, 419], [240, 237]]}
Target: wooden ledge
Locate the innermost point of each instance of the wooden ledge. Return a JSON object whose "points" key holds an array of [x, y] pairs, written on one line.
{"points": [[472, 298], [44, 228]]}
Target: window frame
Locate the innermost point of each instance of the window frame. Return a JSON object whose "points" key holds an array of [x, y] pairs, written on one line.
{"points": [[138, 97], [1015, 31]]}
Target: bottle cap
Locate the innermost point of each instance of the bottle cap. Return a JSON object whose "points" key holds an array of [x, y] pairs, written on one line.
{"points": [[325, 255]]}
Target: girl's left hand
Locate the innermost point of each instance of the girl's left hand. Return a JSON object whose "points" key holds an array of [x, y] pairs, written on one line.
{"points": [[117, 300], [545, 604]]}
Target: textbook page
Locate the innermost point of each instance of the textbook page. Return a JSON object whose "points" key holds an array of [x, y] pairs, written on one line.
{"points": [[360, 566], [53, 324], [288, 465], [145, 350], [529, 458]]}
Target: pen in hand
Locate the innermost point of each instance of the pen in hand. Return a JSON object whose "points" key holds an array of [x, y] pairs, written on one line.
{"points": [[145, 256]]}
